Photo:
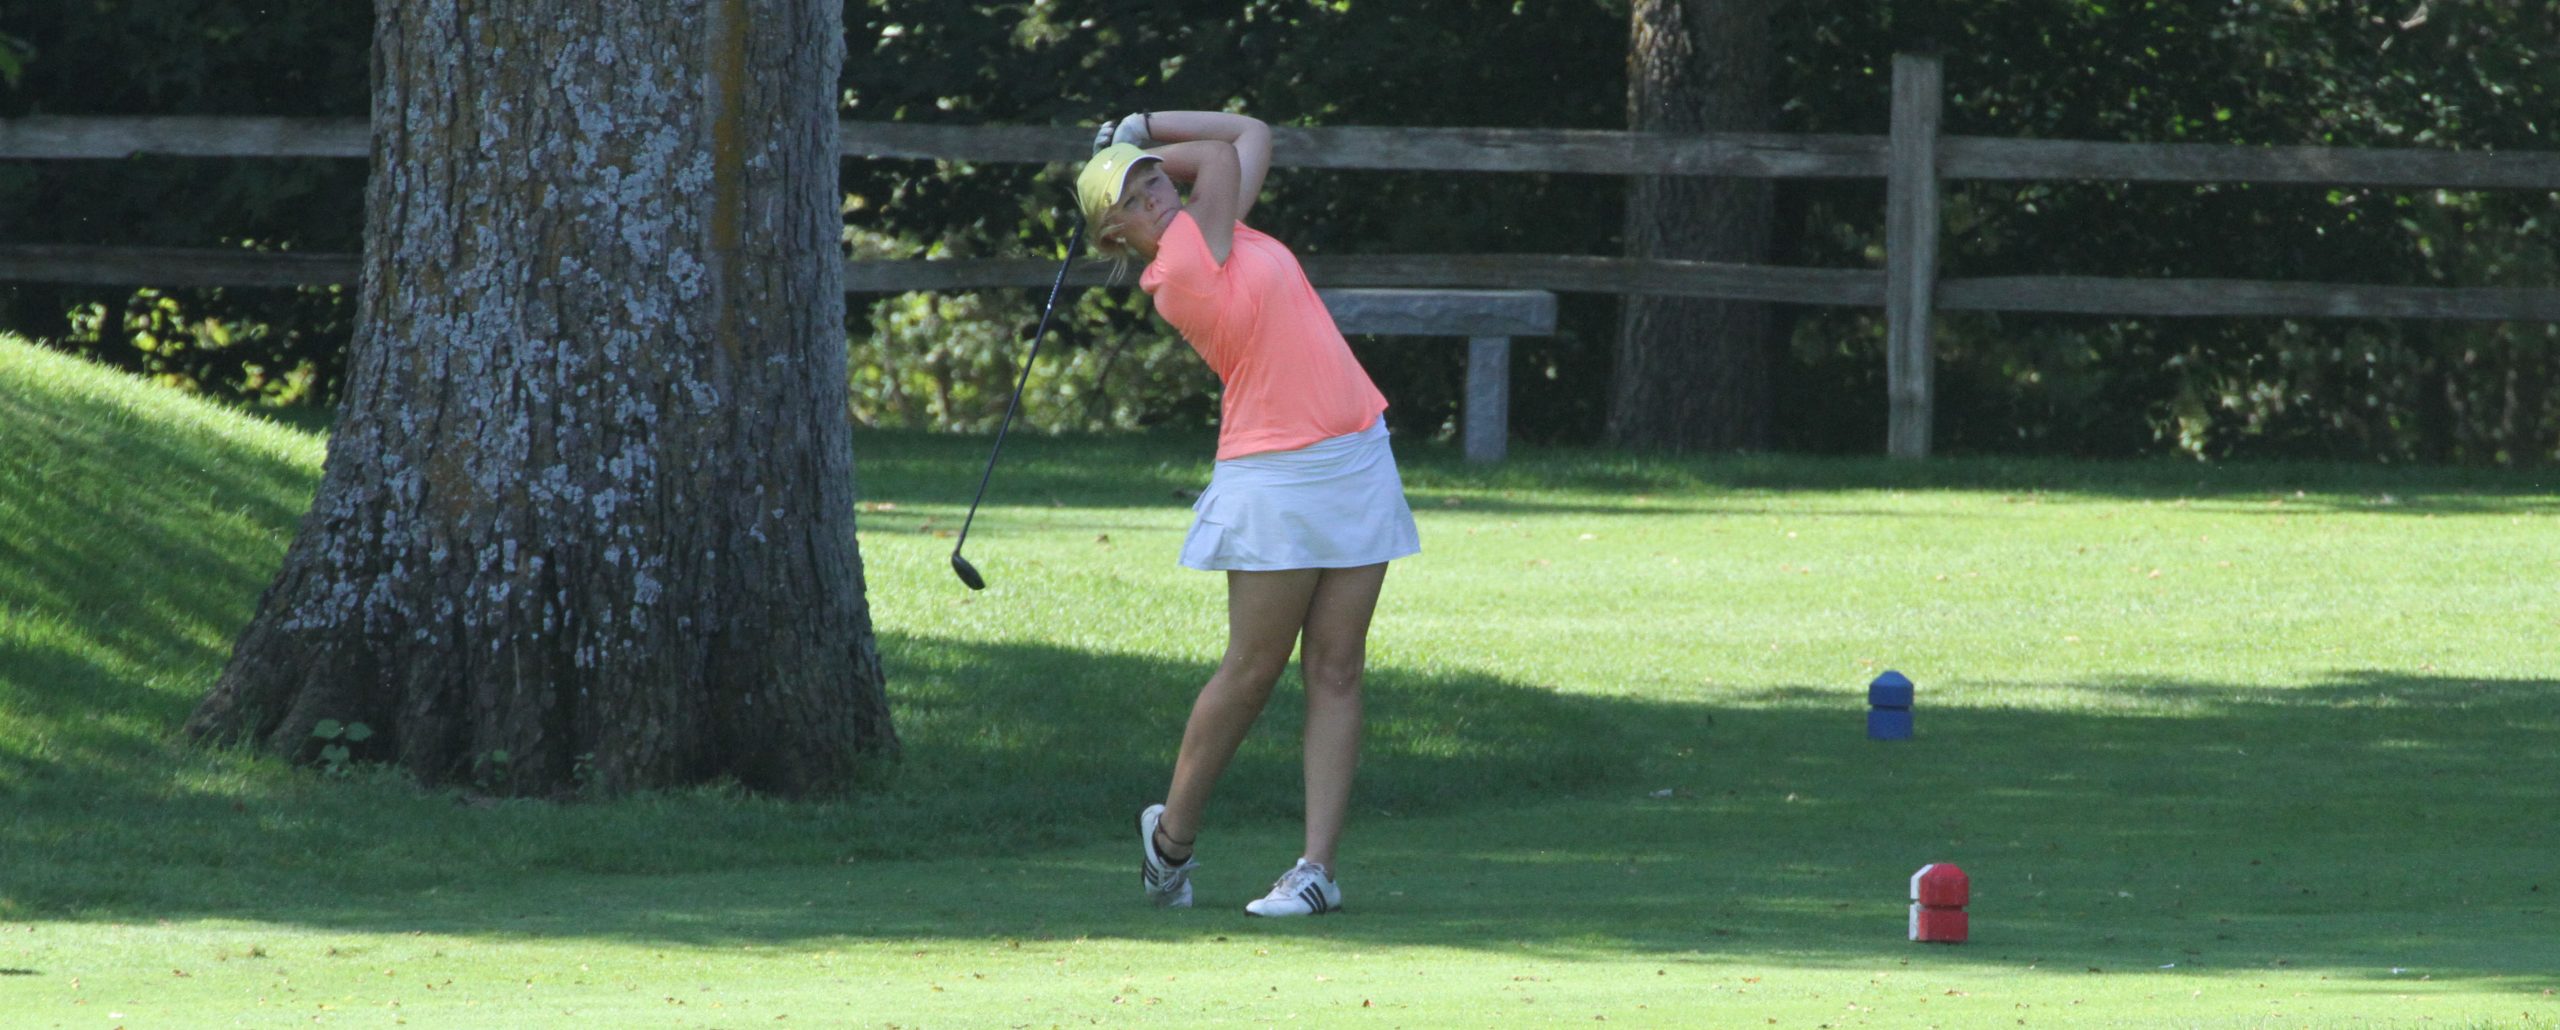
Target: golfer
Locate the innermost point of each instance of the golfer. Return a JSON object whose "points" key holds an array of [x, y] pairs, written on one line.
{"points": [[1304, 509]]}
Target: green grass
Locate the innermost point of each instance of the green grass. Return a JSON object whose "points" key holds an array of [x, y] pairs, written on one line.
{"points": [[2222, 746]]}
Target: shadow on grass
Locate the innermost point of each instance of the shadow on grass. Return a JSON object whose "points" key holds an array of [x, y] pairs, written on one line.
{"points": [[1011, 749], [1163, 470], [158, 527], [2345, 486], [2375, 821], [126, 549], [2371, 823]]}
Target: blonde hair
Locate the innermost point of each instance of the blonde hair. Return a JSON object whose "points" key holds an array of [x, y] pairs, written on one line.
{"points": [[1105, 241], [1106, 238]]}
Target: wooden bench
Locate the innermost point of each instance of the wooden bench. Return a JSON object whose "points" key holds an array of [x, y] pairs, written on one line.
{"points": [[1487, 318]]}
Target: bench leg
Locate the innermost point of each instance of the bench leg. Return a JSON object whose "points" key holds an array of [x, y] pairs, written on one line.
{"points": [[1488, 409]]}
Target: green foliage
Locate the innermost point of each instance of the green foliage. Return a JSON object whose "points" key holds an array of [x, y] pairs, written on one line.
{"points": [[492, 769], [2471, 76], [2330, 73], [950, 361], [14, 53], [1075, 62], [304, 58], [337, 752], [225, 355], [2313, 72]]}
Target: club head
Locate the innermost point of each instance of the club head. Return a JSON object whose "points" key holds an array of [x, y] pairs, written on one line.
{"points": [[968, 573]]}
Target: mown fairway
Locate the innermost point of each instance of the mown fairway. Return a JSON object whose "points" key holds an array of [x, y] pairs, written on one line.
{"points": [[2268, 745]]}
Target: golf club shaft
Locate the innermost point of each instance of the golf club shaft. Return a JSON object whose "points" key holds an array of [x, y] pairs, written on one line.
{"points": [[1074, 241]]}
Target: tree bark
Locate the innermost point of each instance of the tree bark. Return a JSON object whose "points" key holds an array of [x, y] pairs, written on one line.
{"points": [[587, 516], [1693, 374]]}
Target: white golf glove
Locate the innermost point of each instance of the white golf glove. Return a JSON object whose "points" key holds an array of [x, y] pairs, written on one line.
{"points": [[1131, 130]]}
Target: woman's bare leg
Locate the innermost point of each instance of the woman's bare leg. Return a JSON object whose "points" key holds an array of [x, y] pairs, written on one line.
{"points": [[1264, 613], [1334, 659]]}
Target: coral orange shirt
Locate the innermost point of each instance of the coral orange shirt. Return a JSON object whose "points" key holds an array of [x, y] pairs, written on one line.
{"points": [[1290, 378]]}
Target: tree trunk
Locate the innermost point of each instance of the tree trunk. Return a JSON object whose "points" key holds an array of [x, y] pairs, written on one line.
{"points": [[1693, 374], [587, 518]]}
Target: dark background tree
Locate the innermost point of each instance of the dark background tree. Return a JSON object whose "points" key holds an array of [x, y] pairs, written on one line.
{"points": [[2465, 76], [587, 516], [2323, 73], [1693, 373], [295, 58], [1473, 63]]}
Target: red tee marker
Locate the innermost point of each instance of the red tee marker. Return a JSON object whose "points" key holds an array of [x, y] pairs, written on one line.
{"points": [[1939, 893]]}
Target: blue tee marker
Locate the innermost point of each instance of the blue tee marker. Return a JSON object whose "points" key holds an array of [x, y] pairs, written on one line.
{"points": [[1889, 707]]}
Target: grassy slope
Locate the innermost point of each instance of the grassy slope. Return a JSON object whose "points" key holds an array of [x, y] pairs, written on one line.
{"points": [[2228, 746], [135, 526]]}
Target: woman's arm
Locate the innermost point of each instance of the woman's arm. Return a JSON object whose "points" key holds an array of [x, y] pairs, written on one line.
{"points": [[1215, 171], [1223, 157], [1249, 136]]}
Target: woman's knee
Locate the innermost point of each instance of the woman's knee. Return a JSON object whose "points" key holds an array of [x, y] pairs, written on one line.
{"points": [[1331, 676], [1252, 674]]}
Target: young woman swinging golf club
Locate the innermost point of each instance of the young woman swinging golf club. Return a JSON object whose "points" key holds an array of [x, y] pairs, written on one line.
{"points": [[1304, 509]]}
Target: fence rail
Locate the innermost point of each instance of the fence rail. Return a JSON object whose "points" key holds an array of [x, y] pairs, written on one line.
{"points": [[1912, 159], [172, 266], [1571, 151], [2149, 298]]}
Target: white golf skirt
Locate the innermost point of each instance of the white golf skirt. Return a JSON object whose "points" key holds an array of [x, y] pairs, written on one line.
{"points": [[1333, 504]]}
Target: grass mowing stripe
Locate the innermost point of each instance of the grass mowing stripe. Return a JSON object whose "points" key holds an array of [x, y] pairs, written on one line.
{"points": [[2219, 745]]}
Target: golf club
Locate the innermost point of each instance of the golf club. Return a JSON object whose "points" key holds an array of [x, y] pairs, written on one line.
{"points": [[960, 566]]}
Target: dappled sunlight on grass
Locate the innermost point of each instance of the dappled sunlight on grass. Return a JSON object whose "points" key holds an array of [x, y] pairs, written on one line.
{"points": [[2191, 729], [135, 526], [998, 721]]}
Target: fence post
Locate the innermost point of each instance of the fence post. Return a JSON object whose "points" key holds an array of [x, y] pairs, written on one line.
{"points": [[1911, 252], [1488, 413]]}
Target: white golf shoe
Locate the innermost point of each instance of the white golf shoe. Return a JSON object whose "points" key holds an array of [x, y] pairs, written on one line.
{"points": [[1168, 885], [1305, 890]]}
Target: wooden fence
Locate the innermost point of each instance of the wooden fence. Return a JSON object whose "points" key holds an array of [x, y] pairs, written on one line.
{"points": [[1912, 159]]}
